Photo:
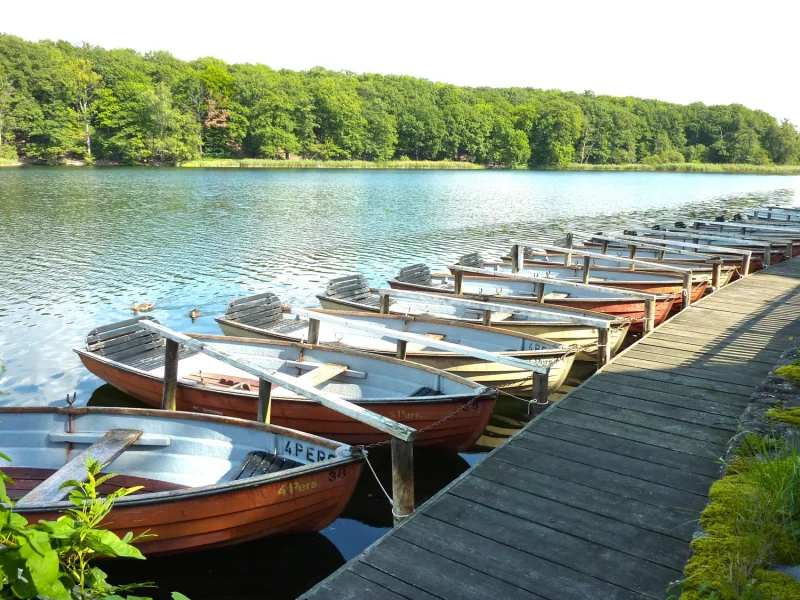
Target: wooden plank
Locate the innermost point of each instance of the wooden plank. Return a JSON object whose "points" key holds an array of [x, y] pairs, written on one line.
{"points": [[667, 522], [661, 439], [623, 465], [418, 347], [651, 371], [608, 481], [632, 378], [744, 380], [542, 524], [670, 411], [692, 431], [327, 399], [664, 342], [388, 582], [351, 586], [707, 466], [506, 563], [609, 387], [321, 374], [674, 357], [444, 577], [110, 446]]}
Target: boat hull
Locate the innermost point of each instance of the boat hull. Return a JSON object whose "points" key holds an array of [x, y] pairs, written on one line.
{"points": [[224, 517], [457, 433], [564, 333], [489, 374]]}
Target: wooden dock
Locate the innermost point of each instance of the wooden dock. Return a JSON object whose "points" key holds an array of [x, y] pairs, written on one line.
{"points": [[599, 496]]}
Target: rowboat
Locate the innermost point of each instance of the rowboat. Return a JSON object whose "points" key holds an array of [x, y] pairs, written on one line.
{"points": [[352, 293], [647, 282], [207, 480], [701, 271], [502, 289], [132, 359], [282, 325]]}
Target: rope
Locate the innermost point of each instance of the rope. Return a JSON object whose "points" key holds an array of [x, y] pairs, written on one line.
{"points": [[383, 489]]}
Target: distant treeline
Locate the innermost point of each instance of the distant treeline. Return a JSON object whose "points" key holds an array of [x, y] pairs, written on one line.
{"points": [[59, 101]]}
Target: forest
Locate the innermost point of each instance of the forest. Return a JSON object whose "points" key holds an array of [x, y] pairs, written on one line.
{"points": [[60, 101]]}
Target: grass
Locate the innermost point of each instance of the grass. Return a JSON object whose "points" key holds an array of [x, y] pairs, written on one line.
{"points": [[691, 168], [328, 164], [752, 522]]}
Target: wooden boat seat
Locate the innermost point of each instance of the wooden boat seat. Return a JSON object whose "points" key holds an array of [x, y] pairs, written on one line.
{"points": [[128, 343], [321, 374], [426, 391], [104, 451], [473, 259], [417, 274], [317, 375], [260, 462], [259, 310], [417, 347], [354, 288]]}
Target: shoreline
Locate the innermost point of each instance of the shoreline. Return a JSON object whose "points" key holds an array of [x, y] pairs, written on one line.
{"points": [[444, 165]]}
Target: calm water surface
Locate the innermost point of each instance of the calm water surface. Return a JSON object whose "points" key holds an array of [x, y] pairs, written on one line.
{"points": [[78, 246]]}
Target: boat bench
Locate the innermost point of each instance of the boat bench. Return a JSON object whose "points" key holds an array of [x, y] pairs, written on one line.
{"points": [[418, 274], [259, 310], [473, 259], [259, 462], [124, 339], [354, 288], [104, 451]]}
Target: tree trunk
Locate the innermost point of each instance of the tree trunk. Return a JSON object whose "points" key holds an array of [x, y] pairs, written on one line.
{"points": [[88, 138]]}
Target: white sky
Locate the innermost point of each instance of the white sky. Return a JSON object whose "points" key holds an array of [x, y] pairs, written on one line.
{"points": [[711, 51]]}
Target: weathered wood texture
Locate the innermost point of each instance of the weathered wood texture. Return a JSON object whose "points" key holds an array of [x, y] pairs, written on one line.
{"points": [[598, 497]]}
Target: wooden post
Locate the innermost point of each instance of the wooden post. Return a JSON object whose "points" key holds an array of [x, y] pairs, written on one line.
{"points": [[768, 255], [265, 401], [487, 318], [402, 480], [789, 250], [385, 301], [661, 254], [604, 247], [459, 281], [170, 391], [632, 256], [687, 290], [313, 331], [402, 349], [587, 267], [540, 381], [649, 314], [716, 275], [540, 292], [517, 258], [746, 264], [568, 244], [603, 347]]}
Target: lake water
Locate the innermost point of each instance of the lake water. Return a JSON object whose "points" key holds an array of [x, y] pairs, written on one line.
{"points": [[77, 247]]}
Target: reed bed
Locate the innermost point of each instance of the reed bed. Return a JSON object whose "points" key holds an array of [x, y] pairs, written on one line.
{"points": [[691, 168], [328, 164]]}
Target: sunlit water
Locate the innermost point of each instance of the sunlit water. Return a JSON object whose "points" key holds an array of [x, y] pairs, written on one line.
{"points": [[77, 247]]}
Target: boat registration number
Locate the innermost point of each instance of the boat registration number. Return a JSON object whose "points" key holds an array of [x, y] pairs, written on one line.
{"points": [[306, 452]]}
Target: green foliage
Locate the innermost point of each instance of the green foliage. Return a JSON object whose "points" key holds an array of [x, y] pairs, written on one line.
{"points": [[53, 559], [752, 522], [61, 102]]}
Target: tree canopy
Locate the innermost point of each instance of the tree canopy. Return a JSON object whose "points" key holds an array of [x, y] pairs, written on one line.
{"points": [[60, 101]]}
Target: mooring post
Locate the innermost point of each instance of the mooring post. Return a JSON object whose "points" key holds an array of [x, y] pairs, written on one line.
{"points": [[649, 314], [402, 480], [687, 290], [587, 267], [746, 264], [632, 256], [603, 346], [767, 255], [540, 292], [402, 349], [517, 258], [661, 254], [540, 382], [789, 250], [568, 244], [170, 391], [313, 331], [385, 300], [604, 247], [459, 281], [716, 275], [487, 318], [265, 401]]}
